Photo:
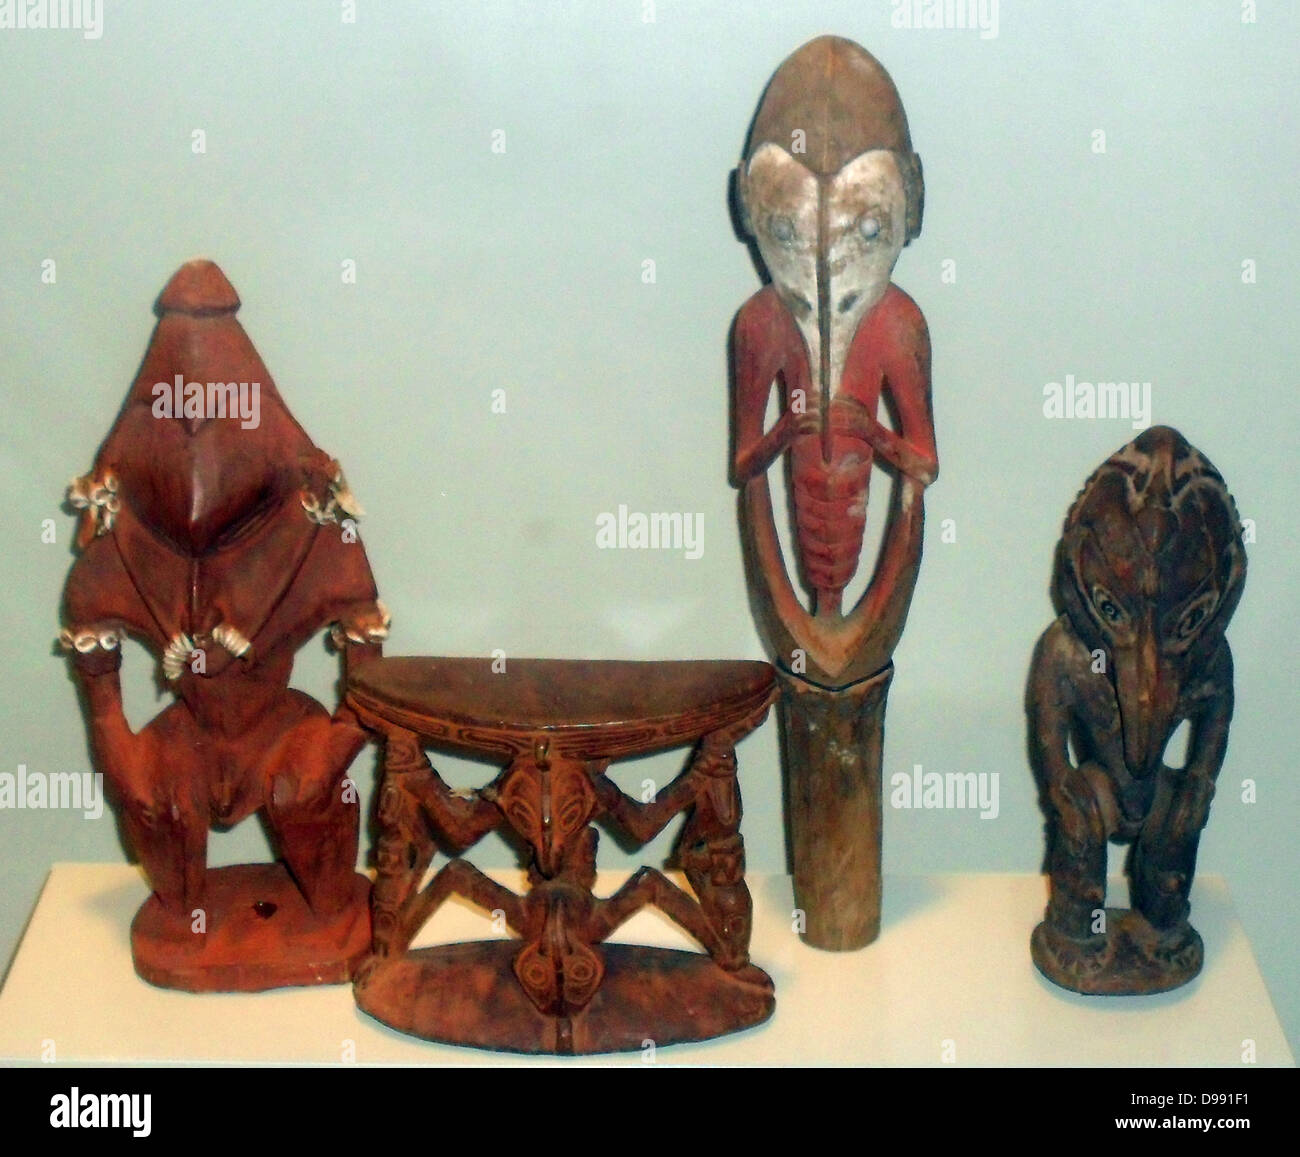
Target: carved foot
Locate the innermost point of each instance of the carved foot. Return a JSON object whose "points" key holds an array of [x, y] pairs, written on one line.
{"points": [[1130, 959], [1070, 962], [254, 932], [1177, 950], [364, 972]]}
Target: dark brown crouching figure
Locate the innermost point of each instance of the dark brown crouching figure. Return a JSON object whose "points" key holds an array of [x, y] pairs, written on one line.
{"points": [[1149, 571]]}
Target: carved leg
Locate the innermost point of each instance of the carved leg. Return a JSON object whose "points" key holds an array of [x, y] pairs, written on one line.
{"points": [[314, 814], [651, 888], [459, 878], [173, 850], [1164, 858], [1076, 945], [1077, 864], [717, 874], [405, 847], [712, 852], [166, 823]]}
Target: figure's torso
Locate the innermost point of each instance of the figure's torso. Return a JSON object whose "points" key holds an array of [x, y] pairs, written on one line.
{"points": [[831, 492]]}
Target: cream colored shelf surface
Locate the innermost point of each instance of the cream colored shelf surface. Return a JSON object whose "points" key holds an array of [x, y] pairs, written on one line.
{"points": [[949, 982]]}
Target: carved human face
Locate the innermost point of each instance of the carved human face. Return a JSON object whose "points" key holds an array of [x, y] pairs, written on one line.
{"points": [[829, 244], [1154, 566]]}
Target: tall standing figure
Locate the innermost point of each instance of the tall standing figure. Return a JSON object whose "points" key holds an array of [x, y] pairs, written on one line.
{"points": [[831, 191], [215, 533]]}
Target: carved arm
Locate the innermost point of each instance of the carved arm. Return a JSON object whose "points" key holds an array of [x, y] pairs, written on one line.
{"points": [[644, 821]]}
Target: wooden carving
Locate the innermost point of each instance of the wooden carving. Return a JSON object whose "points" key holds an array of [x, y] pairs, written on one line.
{"points": [[831, 191], [558, 986], [214, 532], [1148, 573]]}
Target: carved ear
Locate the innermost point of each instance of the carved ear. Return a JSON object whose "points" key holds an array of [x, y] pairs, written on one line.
{"points": [[740, 200], [1234, 581], [914, 183]]}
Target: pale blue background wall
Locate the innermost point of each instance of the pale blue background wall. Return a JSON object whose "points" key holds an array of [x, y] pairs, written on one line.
{"points": [[522, 270]]}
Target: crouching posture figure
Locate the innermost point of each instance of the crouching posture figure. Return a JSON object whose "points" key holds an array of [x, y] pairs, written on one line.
{"points": [[1148, 572]]}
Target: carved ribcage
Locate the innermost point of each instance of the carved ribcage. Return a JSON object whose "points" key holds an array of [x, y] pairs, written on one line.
{"points": [[830, 507]]}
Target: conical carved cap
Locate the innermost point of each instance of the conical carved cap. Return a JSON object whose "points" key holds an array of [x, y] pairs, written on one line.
{"points": [[200, 289]]}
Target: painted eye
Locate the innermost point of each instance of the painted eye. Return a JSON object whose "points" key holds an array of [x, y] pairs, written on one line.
{"points": [[782, 229], [1107, 605], [1194, 617], [869, 227]]}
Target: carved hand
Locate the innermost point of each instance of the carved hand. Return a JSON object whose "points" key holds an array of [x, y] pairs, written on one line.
{"points": [[755, 460], [851, 417]]}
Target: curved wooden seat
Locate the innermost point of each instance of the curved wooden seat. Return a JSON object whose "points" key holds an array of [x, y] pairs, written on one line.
{"points": [[585, 709]]}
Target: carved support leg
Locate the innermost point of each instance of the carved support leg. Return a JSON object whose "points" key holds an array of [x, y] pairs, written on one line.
{"points": [[713, 853], [832, 743], [649, 887], [321, 854], [164, 807], [313, 809], [405, 845]]}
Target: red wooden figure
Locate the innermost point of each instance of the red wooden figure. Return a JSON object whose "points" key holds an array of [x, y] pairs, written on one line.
{"points": [[214, 532], [831, 191]]}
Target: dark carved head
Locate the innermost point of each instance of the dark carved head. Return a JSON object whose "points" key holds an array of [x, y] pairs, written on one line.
{"points": [[1150, 569]]}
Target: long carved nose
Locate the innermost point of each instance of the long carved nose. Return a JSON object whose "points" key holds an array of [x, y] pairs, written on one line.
{"points": [[1147, 691], [824, 383]]}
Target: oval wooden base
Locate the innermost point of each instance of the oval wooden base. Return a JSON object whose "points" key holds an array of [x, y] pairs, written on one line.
{"points": [[259, 934], [466, 994], [1130, 959]]}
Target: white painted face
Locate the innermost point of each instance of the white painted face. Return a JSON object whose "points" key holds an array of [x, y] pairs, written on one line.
{"points": [[865, 230]]}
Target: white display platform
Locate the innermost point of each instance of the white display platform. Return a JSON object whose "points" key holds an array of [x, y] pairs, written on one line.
{"points": [[949, 982]]}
